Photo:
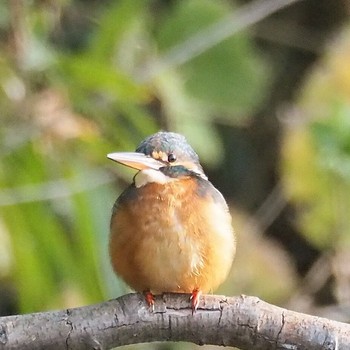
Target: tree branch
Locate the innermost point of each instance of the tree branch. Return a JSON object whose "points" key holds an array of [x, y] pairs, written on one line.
{"points": [[245, 322]]}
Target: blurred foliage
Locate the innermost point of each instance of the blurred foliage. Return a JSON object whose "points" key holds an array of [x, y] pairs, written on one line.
{"points": [[317, 152], [73, 88], [70, 93], [232, 61]]}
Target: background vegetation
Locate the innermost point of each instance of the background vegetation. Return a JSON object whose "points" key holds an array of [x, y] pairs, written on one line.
{"points": [[267, 109]]}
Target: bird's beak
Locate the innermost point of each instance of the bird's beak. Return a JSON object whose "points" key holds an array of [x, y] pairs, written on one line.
{"points": [[136, 160]]}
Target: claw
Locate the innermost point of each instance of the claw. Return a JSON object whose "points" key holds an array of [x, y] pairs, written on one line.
{"points": [[195, 297], [149, 297]]}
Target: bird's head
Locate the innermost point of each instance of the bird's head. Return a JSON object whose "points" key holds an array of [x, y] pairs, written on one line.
{"points": [[161, 158]]}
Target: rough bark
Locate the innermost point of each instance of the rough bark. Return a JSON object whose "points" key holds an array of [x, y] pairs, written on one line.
{"points": [[243, 321]]}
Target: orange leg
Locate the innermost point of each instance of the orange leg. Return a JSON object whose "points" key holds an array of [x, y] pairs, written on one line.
{"points": [[149, 297], [195, 297]]}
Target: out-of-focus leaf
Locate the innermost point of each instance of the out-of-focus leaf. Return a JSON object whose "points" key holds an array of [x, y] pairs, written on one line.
{"points": [[332, 138], [308, 186], [316, 171], [38, 245], [94, 78], [116, 20], [230, 77], [4, 15], [316, 152]]}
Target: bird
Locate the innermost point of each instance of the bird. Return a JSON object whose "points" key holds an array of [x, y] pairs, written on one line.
{"points": [[170, 230]]}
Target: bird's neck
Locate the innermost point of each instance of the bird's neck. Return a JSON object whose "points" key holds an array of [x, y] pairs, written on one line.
{"points": [[147, 176]]}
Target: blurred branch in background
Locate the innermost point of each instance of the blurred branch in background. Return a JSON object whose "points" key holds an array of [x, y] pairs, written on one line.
{"points": [[54, 189], [18, 33], [205, 39]]}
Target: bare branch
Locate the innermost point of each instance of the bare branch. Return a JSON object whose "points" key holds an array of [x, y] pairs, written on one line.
{"points": [[245, 322]]}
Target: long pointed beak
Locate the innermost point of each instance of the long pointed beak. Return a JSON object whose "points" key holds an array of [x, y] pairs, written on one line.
{"points": [[135, 160]]}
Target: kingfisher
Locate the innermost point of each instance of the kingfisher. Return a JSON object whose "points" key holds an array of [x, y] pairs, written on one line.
{"points": [[171, 229]]}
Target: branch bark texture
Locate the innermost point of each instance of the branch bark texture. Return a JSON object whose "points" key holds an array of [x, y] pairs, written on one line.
{"points": [[244, 322]]}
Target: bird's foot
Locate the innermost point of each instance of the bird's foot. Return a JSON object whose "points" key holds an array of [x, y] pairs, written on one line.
{"points": [[149, 297], [195, 297]]}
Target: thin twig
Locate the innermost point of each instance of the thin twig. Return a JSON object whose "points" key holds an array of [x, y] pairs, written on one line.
{"points": [[49, 190], [268, 211]]}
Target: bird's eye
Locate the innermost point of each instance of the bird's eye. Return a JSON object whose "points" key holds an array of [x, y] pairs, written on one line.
{"points": [[171, 158]]}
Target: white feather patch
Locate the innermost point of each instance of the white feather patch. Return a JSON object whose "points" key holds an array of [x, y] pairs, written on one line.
{"points": [[146, 176]]}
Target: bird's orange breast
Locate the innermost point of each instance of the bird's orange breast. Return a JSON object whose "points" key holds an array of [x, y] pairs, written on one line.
{"points": [[172, 237]]}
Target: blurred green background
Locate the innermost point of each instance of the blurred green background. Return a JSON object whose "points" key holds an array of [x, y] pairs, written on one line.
{"points": [[267, 109]]}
